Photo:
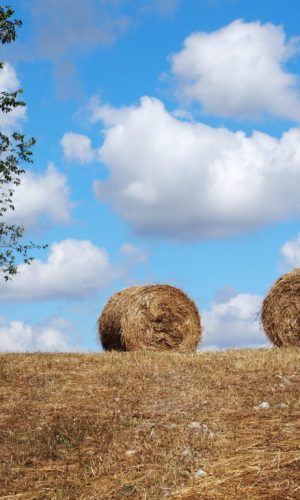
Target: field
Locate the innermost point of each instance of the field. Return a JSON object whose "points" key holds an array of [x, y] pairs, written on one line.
{"points": [[150, 425]]}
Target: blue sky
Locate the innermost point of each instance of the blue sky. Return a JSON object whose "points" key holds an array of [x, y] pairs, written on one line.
{"points": [[167, 151]]}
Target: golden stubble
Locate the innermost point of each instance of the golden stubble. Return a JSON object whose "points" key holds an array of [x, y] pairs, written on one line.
{"points": [[150, 425]]}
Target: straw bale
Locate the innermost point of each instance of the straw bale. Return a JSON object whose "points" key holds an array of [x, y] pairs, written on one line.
{"points": [[150, 317], [281, 311]]}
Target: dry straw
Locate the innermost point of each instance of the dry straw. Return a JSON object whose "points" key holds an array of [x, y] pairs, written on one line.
{"points": [[151, 317], [281, 311]]}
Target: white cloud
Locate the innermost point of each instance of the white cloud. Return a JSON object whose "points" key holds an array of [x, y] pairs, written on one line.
{"points": [[8, 79], [17, 336], [239, 71], [291, 252], [74, 269], [9, 83], [40, 199], [233, 324], [186, 181], [77, 147]]}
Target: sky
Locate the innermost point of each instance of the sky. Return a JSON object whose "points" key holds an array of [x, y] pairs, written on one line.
{"points": [[167, 151]]}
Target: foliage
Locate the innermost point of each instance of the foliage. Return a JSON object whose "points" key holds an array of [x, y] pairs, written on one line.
{"points": [[15, 150]]}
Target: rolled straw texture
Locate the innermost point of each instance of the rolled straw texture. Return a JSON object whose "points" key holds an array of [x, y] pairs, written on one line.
{"points": [[151, 317], [281, 311]]}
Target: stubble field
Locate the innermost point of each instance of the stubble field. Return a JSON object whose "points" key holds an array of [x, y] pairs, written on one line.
{"points": [[150, 425]]}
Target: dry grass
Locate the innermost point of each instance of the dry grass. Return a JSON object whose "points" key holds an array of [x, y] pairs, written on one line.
{"points": [[150, 317], [140, 425], [281, 310]]}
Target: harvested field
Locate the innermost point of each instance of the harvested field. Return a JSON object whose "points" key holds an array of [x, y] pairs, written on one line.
{"points": [[150, 425]]}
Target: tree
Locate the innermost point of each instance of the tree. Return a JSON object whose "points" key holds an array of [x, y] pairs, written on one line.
{"points": [[15, 151]]}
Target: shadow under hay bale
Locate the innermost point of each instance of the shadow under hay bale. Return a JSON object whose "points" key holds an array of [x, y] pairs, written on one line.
{"points": [[281, 311], [151, 317]]}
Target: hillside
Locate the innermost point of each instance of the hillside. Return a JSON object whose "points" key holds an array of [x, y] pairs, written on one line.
{"points": [[150, 426]]}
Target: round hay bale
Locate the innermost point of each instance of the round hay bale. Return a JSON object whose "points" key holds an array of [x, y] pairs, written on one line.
{"points": [[281, 311], [151, 317]]}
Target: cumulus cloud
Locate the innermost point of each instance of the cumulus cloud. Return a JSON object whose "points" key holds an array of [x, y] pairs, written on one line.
{"points": [[75, 269], [291, 252], [233, 324], [41, 199], [17, 336], [8, 79], [238, 71], [9, 83], [77, 148], [186, 181]]}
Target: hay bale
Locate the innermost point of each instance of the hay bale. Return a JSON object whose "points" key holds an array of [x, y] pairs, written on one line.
{"points": [[281, 311], [151, 317]]}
